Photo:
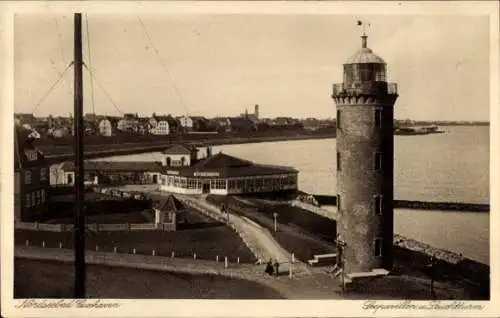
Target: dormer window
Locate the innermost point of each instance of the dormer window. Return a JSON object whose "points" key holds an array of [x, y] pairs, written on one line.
{"points": [[31, 155]]}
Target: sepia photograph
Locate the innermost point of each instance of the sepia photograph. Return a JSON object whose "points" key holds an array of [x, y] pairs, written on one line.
{"points": [[240, 153]]}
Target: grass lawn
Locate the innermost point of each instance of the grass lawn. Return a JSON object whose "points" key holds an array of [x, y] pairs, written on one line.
{"points": [[112, 218], [290, 236], [203, 236], [45, 279]]}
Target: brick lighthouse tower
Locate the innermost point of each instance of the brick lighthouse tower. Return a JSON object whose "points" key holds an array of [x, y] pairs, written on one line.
{"points": [[365, 163]]}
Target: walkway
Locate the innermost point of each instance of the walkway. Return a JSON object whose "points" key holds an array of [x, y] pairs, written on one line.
{"points": [[318, 286], [257, 238]]}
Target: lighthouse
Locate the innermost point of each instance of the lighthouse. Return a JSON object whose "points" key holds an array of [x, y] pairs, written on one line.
{"points": [[365, 163]]}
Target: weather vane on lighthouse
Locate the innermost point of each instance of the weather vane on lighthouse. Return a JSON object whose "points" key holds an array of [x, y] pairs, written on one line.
{"points": [[363, 24]]}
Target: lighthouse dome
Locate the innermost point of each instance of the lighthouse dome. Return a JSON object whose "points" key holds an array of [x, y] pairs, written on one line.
{"points": [[364, 56]]}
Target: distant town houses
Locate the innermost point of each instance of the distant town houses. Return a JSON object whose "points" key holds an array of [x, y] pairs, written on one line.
{"points": [[108, 126], [314, 124], [194, 123], [163, 125], [128, 124]]}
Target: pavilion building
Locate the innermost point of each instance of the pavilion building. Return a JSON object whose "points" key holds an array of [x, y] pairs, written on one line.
{"points": [[221, 174]]}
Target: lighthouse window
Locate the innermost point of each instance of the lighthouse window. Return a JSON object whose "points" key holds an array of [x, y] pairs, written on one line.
{"points": [[378, 118], [378, 204], [378, 247], [378, 161], [339, 126], [338, 161]]}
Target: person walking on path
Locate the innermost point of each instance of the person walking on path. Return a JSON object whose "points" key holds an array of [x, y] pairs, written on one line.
{"points": [[269, 268]]}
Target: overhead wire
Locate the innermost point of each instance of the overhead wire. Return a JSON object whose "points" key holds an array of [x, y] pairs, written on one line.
{"points": [[90, 63], [61, 50], [115, 105], [51, 88], [176, 90]]}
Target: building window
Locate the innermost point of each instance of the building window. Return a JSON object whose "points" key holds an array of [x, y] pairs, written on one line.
{"points": [[378, 247], [220, 184], [27, 200], [33, 199], [338, 161], [27, 177], [43, 174], [339, 125], [192, 183], [339, 202], [38, 198], [378, 161], [377, 204], [42, 194], [378, 118]]}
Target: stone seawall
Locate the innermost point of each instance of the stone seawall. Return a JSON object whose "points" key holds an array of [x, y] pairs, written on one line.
{"points": [[331, 200], [415, 254]]}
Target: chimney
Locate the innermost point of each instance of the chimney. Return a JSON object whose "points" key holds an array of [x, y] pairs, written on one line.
{"points": [[256, 111]]}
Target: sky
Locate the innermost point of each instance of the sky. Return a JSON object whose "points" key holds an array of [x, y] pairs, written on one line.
{"points": [[219, 65]]}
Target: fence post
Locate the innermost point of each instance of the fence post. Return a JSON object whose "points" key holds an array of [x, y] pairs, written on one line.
{"points": [[27, 242], [225, 262], [115, 249]]}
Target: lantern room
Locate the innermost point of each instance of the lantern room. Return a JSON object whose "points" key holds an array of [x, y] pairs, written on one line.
{"points": [[364, 68]]}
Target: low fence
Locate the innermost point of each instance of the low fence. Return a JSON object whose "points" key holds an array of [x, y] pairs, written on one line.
{"points": [[119, 253], [36, 226]]}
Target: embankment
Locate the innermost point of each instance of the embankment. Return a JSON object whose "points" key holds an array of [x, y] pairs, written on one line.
{"points": [[320, 200], [411, 254], [59, 153]]}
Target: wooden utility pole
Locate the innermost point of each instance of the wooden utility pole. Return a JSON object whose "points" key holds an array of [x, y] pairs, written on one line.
{"points": [[79, 224]]}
